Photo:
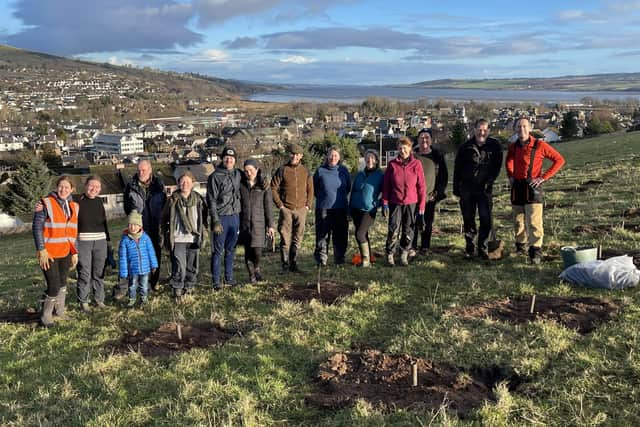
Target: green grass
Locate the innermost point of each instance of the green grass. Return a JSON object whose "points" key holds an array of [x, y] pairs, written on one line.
{"points": [[67, 375]]}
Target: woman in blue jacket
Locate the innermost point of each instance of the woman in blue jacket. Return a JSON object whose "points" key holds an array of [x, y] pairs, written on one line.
{"points": [[137, 258], [365, 199]]}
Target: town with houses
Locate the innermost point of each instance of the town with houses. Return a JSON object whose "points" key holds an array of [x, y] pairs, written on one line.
{"points": [[195, 136]]}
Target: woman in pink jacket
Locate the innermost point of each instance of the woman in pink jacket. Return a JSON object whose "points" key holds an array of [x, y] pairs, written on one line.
{"points": [[403, 193]]}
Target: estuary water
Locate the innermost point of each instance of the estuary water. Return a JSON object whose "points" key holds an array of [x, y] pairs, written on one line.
{"points": [[357, 94]]}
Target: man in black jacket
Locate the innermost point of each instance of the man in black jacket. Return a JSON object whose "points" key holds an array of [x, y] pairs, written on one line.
{"points": [[145, 194], [477, 165]]}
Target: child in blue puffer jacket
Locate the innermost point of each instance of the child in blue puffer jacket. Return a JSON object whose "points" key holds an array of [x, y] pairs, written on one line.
{"points": [[137, 258]]}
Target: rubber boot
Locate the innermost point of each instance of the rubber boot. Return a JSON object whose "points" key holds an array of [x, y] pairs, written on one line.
{"points": [[59, 308], [404, 257], [364, 253], [257, 273], [46, 317], [285, 261]]}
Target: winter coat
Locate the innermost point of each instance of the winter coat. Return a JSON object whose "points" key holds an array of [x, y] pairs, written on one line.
{"points": [[149, 202], [136, 257], [477, 166], [436, 174], [223, 193], [256, 213], [331, 185], [170, 218], [365, 193], [292, 187], [519, 157], [404, 183]]}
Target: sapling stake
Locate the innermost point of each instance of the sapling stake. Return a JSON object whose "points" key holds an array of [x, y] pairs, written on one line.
{"points": [[414, 374], [179, 331], [533, 304], [318, 279]]}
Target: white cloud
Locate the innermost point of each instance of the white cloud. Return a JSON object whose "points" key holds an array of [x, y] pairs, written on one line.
{"points": [[298, 59], [569, 15], [114, 60], [212, 55]]}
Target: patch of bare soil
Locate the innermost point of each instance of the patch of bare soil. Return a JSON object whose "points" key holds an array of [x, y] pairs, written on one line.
{"points": [[604, 228], [168, 340], [582, 314], [330, 292], [386, 381], [557, 205], [27, 316], [585, 186]]}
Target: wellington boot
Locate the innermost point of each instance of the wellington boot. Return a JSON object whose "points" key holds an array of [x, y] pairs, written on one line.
{"points": [[59, 308], [46, 317], [364, 252]]}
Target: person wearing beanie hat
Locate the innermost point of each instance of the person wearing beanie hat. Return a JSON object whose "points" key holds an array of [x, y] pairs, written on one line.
{"points": [[251, 162], [436, 177], [183, 230], [364, 202], [292, 191], [137, 258], [223, 197], [145, 194]]}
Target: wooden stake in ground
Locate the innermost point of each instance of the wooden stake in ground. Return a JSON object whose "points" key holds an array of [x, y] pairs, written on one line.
{"points": [[533, 304], [179, 331], [318, 279], [414, 374]]}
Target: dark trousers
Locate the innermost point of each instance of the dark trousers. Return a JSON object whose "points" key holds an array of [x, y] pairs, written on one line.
{"points": [[402, 222], [362, 221], [91, 258], [185, 260], [425, 234], [154, 235], [224, 243], [331, 224], [483, 204], [56, 275]]}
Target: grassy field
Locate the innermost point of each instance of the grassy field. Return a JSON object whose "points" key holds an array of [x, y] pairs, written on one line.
{"points": [[69, 375]]}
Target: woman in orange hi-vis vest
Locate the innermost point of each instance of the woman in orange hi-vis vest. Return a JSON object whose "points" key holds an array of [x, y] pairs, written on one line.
{"points": [[55, 229]]}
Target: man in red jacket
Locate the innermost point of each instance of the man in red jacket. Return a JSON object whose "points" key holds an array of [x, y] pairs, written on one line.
{"points": [[403, 192], [524, 169]]}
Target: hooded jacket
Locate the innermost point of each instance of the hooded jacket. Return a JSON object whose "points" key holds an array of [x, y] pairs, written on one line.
{"points": [[137, 257], [223, 192], [256, 213]]}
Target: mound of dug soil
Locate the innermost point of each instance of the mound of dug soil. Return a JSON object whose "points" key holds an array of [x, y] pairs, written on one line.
{"points": [[26, 316], [604, 228], [165, 341], [330, 292], [581, 314], [385, 381]]}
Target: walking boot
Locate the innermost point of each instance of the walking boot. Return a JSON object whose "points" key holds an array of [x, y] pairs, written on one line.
{"points": [[59, 307], [520, 250], [285, 261], [293, 256], [390, 260], [364, 252], [252, 271], [258, 274], [404, 258], [535, 255], [46, 317]]}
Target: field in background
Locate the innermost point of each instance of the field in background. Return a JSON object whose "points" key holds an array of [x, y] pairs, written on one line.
{"points": [[73, 375]]}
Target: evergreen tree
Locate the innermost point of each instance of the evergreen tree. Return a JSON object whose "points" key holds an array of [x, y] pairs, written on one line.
{"points": [[458, 134], [569, 127], [28, 186]]}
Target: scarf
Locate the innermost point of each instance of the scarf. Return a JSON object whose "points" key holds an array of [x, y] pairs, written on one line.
{"points": [[183, 206]]}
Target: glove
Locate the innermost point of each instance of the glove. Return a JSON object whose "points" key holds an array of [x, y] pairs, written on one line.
{"points": [[43, 259], [385, 211], [110, 261], [420, 221], [153, 270], [74, 261], [217, 228]]}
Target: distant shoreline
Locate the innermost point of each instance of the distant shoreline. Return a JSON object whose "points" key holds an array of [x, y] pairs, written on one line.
{"points": [[357, 94]]}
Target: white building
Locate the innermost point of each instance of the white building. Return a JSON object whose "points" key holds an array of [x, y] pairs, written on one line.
{"points": [[10, 143], [116, 143]]}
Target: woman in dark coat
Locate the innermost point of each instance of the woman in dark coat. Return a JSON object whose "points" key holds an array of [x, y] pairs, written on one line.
{"points": [[256, 217]]}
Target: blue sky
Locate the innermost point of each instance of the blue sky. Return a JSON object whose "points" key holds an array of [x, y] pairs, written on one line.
{"points": [[335, 41]]}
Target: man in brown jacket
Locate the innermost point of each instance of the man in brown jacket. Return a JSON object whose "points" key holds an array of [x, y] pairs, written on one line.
{"points": [[292, 189]]}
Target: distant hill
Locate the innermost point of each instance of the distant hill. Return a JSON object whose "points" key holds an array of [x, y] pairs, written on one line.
{"points": [[185, 83], [596, 82]]}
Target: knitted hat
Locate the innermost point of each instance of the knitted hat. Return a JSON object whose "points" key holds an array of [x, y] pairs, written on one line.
{"points": [[251, 162], [426, 130], [135, 218], [229, 151]]}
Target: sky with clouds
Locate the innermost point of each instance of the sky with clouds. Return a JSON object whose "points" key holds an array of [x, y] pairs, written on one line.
{"points": [[335, 42]]}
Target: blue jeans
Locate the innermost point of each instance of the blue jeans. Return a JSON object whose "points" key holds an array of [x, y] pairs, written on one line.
{"points": [[224, 242], [138, 281]]}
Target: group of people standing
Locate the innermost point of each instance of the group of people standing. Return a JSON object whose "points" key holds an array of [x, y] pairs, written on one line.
{"points": [[239, 209]]}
